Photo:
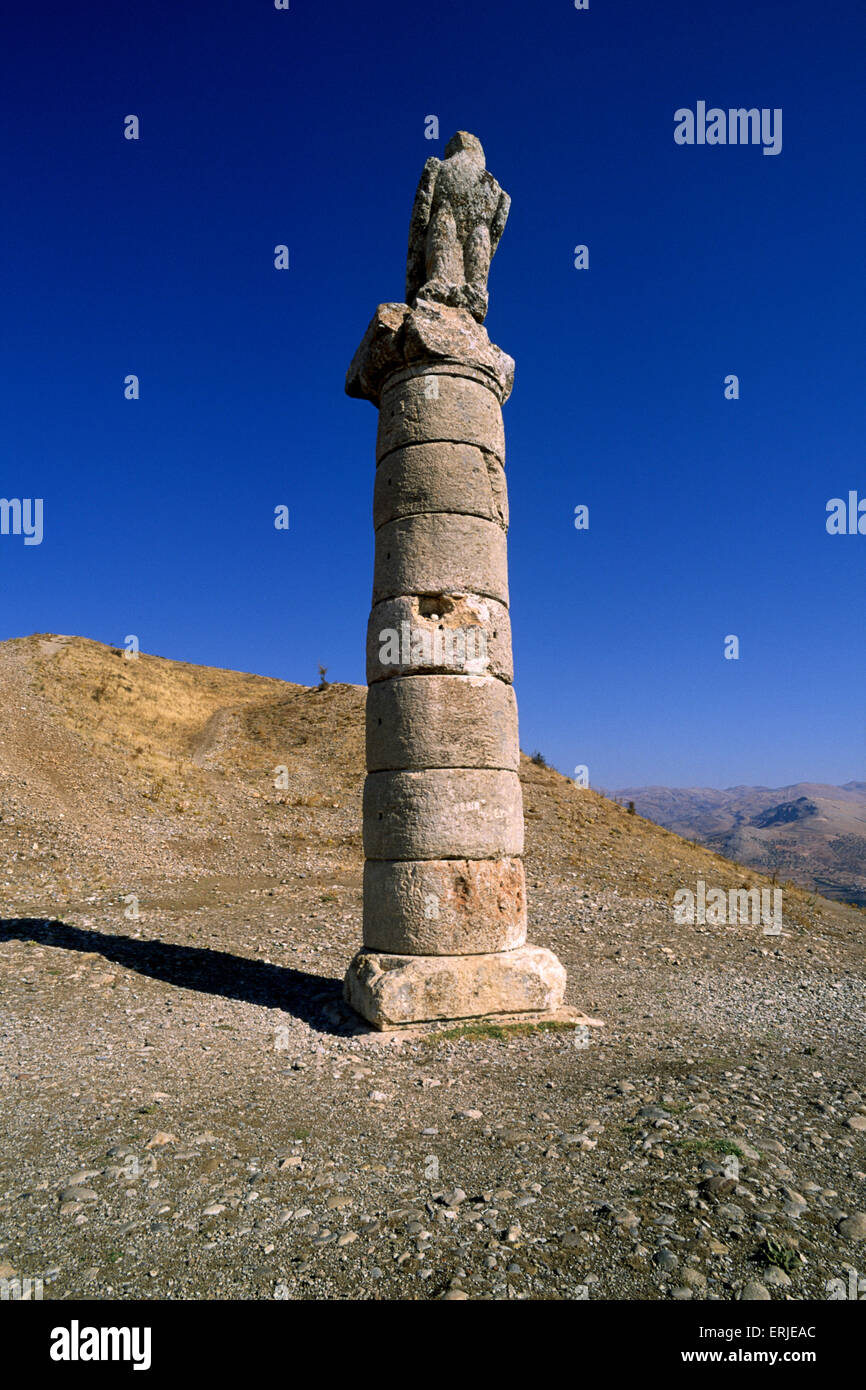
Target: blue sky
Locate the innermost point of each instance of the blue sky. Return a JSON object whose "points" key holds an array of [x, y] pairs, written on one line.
{"points": [[306, 127]]}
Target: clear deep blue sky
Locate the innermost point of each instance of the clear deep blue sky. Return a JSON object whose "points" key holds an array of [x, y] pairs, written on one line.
{"points": [[258, 127]]}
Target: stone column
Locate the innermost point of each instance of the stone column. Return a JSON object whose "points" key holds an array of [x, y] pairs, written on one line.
{"points": [[444, 890]]}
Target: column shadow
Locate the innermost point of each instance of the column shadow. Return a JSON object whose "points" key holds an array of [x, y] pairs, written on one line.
{"points": [[315, 1000]]}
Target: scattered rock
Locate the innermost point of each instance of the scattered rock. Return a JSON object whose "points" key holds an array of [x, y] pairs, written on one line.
{"points": [[854, 1227]]}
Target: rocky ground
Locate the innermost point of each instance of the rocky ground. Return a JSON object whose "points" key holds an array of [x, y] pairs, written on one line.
{"points": [[191, 1112]]}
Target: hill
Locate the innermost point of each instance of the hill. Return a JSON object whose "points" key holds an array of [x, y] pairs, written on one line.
{"points": [[192, 1112]]}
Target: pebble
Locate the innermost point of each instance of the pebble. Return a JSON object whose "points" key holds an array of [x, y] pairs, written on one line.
{"points": [[719, 1186], [794, 1209], [794, 1196], [160, 1139], [371, 1163], [653, 1112], [854, 1227]]}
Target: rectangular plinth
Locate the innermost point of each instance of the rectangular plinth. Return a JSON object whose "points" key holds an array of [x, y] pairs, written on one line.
{"points": [[393, 991]]}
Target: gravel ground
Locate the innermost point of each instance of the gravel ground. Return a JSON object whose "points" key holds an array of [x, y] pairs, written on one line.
{"points": [[191, 1112]]}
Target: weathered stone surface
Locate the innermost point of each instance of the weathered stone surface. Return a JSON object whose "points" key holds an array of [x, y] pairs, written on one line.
{"points": [[438, 553], [393, 991], [399, 338], [440, 478], [444, 890], [853, 1227], [447, 813], [441, 721], [431, 406], [442, 633], [434, 334], [458, 217], [442, 907], [379, 354]]}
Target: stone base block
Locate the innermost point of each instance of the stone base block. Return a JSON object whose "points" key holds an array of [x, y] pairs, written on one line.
{"points": [[402, 991]]}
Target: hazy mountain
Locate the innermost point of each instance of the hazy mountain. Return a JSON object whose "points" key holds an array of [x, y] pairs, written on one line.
{"points": [[811, 833]]}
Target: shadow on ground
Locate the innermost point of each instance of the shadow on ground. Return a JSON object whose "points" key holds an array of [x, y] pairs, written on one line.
{"points": [[312, 998]]}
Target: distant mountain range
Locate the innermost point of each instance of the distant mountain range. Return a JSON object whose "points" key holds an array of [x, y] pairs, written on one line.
{"points": [[810, 833]]}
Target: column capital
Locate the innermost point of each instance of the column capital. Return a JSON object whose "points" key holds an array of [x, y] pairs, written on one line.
{"points": [[401, 339]]}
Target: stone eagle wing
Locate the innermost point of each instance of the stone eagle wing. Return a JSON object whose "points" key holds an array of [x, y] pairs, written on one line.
{"points": [[500, 217], [416, 262]]}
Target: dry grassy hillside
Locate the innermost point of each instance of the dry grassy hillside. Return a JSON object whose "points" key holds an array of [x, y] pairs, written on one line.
{"points": [[149, 769], [175, 930]]}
